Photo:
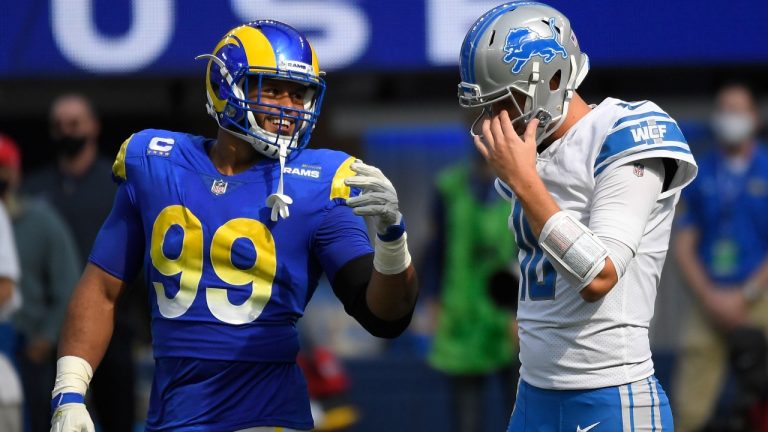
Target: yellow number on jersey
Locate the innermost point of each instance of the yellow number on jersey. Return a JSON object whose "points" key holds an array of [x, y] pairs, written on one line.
{"points": [[260, 275], [190, 264]]}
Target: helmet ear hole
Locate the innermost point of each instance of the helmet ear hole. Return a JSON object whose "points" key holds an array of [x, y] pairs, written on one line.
{"points": [[554, 82]]}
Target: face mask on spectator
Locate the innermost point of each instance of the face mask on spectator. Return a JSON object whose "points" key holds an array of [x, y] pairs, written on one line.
{"points": [[69, 146], [732, 128]]}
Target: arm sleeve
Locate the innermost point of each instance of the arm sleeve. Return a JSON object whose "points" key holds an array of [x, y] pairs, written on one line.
{"points": [[119, 245], [350, 286], [63, 271], [622, 204], [345, 253]]}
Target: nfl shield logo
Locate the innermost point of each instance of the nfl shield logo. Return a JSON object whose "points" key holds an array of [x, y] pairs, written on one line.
{"points": [[219, 187], [639, 169]]}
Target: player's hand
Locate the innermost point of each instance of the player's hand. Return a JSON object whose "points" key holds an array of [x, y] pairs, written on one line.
{"points": [[73, 374], [71, 417], [727, 307], [378, 199], [511, 156]]}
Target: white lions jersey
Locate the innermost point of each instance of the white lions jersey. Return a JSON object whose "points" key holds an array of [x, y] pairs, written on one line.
{"points": [[565, 342]]}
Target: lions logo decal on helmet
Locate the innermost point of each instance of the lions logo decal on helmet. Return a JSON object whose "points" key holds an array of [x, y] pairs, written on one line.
{"points": [[523, 43]]}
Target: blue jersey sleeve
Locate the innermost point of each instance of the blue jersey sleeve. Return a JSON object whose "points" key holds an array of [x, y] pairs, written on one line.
{"points": [[340, 237], [119, 245]]}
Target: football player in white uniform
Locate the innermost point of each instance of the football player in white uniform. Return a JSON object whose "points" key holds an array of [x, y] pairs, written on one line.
{"points": [[594, 189]]}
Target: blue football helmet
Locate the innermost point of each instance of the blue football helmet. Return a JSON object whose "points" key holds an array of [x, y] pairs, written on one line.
{"points": [[245, 57], [527, 49]]}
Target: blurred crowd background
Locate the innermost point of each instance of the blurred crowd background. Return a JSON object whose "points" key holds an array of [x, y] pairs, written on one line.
{"points": [[78, 77]]}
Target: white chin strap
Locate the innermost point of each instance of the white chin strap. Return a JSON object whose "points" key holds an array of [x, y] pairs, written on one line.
{"points": [[279, 201]]}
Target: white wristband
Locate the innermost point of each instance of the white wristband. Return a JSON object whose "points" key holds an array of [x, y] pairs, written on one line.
{"points": [[391, 257], [73, 374]]}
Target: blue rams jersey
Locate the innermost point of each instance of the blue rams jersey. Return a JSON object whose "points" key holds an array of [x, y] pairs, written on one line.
{"points": [[728, 209], [226, 282]]}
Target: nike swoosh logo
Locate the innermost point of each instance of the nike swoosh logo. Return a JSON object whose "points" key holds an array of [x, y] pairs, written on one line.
{"points": [[588, 428]]}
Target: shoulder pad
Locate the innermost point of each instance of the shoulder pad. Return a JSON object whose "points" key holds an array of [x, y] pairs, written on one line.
{"points": [[642, 130], [332, 166], [343, 171], [147, 142], [639, 127]]}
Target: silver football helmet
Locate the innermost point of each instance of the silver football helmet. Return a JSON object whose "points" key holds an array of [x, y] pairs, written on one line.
{"points": [[524, 48]]}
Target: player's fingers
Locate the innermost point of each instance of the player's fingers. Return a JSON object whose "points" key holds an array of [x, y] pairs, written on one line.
{"points": [[487, 136], [371, 210], [498, 134], [367, 183], [366, 170], [370, 198], [530, 131], [506, 125], [481, 147]]}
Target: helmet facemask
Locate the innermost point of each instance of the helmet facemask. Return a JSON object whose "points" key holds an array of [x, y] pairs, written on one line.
{"points": [[241, 64], [238, 116]]}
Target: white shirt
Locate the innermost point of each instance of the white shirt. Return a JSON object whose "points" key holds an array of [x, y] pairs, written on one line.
{"points": [[565, 342]]}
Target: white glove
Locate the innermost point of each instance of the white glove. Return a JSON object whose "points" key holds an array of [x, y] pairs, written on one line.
{"points": [[71, 417], [73, 374], [378, 199]]}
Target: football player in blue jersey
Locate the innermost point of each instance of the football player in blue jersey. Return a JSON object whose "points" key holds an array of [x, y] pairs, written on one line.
{"points": [[233, 234], [594, 189]]}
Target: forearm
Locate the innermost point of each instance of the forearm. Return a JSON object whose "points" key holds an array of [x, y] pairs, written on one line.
{"points": [[758, 280], [693, 270], [391, 297], [90, 317], [538, 204], [539, 207]]}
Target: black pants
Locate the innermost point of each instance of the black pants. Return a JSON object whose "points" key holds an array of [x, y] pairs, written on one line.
{"points": [[113, 386], [37, 381], [468, 397]]}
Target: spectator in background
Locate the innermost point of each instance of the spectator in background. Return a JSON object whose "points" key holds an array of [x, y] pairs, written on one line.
{"points": [[471, 250], [76, 187], [10, 388], [51, 266], [722, 249]]}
